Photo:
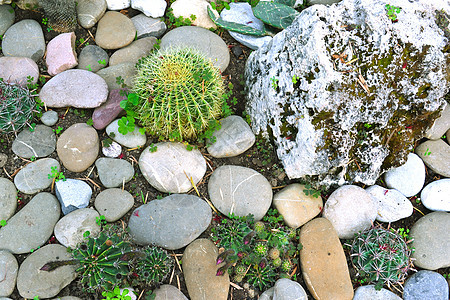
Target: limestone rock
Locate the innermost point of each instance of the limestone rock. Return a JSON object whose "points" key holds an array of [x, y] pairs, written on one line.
{"points": [[323, 122], [198, 8]]}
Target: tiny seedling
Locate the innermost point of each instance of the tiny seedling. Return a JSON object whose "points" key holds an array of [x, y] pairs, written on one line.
{"points": [[392, 11], [90, 122], [309, 191], [274, 82], [33, 158], [56, 175], [102, 62], [152, 148], [2, 223], [58, 130], [89, 68], [101, 220], [427, 152], [295, 79]]}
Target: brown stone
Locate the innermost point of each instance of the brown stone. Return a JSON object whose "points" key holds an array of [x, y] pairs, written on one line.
{"points": [[199, 269], [114, 31], [323, 261]]}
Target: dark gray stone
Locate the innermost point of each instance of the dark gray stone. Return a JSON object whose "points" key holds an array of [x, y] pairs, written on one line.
{"points": [[90, 58], [426, 285], [72, 194], [40, 142], [147, 26], [24, 39]]}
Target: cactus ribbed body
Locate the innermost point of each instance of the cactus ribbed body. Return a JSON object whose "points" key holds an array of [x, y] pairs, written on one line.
{"points": [[155, 265], [61, 14]]}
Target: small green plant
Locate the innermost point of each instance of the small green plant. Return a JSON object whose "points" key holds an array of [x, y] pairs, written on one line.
{"points": [[380, 256], [154, 266], [2, 223], [56, 175], [153, 148], [102, 62], [427, 152], [44, 21], [90, 122], [274, 83], [58, 130], [115, 294], [404, 233], [173, 22], [309, 191], [101, 220], [33, 158], [392, 11], [88, 67], [295, 79]]}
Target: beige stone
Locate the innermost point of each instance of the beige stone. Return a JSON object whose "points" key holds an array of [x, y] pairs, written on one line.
{"points": [[198, 8], [199, 269], [78, 147], [435, 154], [323, 262], [114, 31], [133, 52], [296, 207]]}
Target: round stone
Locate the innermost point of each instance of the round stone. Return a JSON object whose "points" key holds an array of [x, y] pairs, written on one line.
{"points": [[435, 155], [392, 205], [436, 195], [133, 52], [40, 142], [426, 285], [171, 222], [114, 31], [409, 178], [78, 147], [240, 191], [19, 69], [113, 203], [8, 272], [7, 16], [130, 140], [201, 39], [34, 177], [90, 11], [49, 118], [24, 39], [92, 58], [76, 88], [171, 167], [8, 198], [369, 292], [114, 172], [350, 209]]}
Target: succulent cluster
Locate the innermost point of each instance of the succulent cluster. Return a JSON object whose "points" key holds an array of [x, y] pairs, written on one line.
{"points": [[380, 256], [108, 261], [16, 107], [179, 93], [257, 252]]}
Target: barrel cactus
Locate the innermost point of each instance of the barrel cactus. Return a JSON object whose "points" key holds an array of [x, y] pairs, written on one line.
{"points": [[380, 256], [16, 107], [154, 266], [61, 14], [180, 93]]}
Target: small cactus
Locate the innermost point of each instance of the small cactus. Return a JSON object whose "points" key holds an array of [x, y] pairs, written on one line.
{"points": [[240, 269], [179, 92], [274, 253], [238, 278], [286, 266], [154, 266], [277, 262], [261, 249], [61, 14], [259, 226], [16, 107]]}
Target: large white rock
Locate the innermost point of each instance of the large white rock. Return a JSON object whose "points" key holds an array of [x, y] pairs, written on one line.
{"points": [[436, 195], [392, 205], [409, 178], [151, 8], [117, 4], [198, 8]]}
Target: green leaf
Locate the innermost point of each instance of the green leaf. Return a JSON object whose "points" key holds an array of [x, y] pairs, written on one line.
{"points": [[289, 3], [133, 98], [275, 14], [240, 28]]}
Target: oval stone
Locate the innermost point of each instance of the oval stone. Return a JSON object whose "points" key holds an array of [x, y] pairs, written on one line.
{"points": [[114, 172], [171, 223], [38, 143], [24, 39], [34, 177], [435, 154], [392, 205], [113, 203], [8, 273], [76, 88], [436, 195], [18, 69], [114, 31], [409, 178], [8, 198]]}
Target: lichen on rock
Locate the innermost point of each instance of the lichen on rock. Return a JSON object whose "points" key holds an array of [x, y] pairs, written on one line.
{"points": [[345, 90]]}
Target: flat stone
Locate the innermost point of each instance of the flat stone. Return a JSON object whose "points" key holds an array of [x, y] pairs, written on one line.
{"points": [[392, 205], [350, 209], [369, 292], [199, 269], [117, 4], [113, 150], [130, 140], [40, 142], [32, 282], [72, 194], [78, 147], [8, 272], [133, 52], [113, 203], [201, 39], [67, 298], [295, 206], [33, 177], [7, 16], [69, 229], [171, 167], [49, 118], [19, 69], [233, 138], [90, 11], [323, 263], [242, 13], [426, 285], [76, 88], [32, 226], [108, 111], [436, 195], [198, 8], [114, 31], [24, 39], [409, 178], [435, 154], [430, 241], [171, 222], [240, 191], [151, 8], [267, 295], [287, 289], [440, 125], [110, 74], [168, 292], [114, 172], [92, 58], [3, 159], [147, 26], [61, 53], [8, 198]]}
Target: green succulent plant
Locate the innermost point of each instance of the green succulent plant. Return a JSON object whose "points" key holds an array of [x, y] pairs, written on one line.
{"points": [[278, 14], [261, 276], [380, 256], [155, 265], [179, 93], [16, 107]]}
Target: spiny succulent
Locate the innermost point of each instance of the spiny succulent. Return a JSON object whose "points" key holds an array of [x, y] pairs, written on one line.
{"points": [[274, 253], [259, 226], [154, 266], [240, 269], [286, 266], [180, 93], [16, 107], [261, 276], [61, 14], [277, 262], [380, 256], [261, 249]]}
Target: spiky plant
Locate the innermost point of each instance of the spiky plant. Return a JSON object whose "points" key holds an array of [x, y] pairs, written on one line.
{"points": [[155, 265], [61, 14], [16, 107], [180, 93], [380, 256], [261, 276]]}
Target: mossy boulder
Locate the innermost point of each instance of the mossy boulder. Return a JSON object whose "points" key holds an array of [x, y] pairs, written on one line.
{"points": [[346, 90]]}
